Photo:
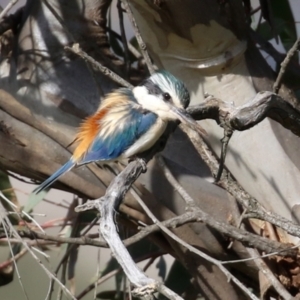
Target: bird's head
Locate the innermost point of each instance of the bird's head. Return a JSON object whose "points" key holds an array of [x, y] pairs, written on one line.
{"points": [[163, 94]]}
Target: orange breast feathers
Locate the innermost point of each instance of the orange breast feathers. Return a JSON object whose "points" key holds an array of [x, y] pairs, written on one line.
{"points": [[91, 126], [87, 132]]}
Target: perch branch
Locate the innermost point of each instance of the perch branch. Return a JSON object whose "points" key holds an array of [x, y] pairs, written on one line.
{"points": [[106, 206]]}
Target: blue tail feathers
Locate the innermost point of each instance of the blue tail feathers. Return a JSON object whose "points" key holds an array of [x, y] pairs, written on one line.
{"points": [[65, 168]]}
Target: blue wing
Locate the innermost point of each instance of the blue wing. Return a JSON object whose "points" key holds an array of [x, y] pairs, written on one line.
{"points": [[123, 132]]}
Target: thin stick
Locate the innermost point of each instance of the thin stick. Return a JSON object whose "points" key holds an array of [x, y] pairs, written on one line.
{"points": [[124, 39], [107, 205], [284, 65], [60, 20], [262, 266], [28, 248], [7, 8], [115, 77], [193, 249], [270, 276], [138, 36], [131, 48]]}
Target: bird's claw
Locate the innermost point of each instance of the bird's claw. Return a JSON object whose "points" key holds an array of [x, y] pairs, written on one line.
{"points": [[142, 163], [146, 290]]}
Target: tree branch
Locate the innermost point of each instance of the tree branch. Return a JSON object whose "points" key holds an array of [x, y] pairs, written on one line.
{"points": [[253, 207], [139, 38], [8, 8], [95, 64], [264, 104], [284, 65], [106, 206]]}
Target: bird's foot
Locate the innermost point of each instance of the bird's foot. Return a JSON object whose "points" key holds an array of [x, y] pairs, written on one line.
{"points": [[146, 290], [141, 161], [143, 164]]}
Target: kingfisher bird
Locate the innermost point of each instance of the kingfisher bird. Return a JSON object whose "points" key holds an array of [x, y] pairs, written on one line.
{"points": [[128, 122]]}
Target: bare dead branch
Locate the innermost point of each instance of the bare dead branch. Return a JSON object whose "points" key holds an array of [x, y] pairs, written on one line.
{"points": [[139, 38], [258, 259], [253, 207], [106, 206], [264, 104], [196, 213], [95, 64], [272, 51], [59, 19], [194, 250], [8, 7], [270, 276], [28, 248], [284, 65], [124, 39]]}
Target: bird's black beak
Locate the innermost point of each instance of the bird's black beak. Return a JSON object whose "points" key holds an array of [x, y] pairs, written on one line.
{"points": [[186, 119]]}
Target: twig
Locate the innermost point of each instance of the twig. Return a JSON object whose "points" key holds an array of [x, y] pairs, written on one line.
{"points": [[76, 50], [98, 282], [124, 39], [243, 236], [193, 249], [270, 276], [8, 8], [196, 215], [257, 259], [60, 20], [11, 22], [131, 48], [284, 64], [27, 247], [272, 51], [139, 37], [225, 140], [254, 208]]}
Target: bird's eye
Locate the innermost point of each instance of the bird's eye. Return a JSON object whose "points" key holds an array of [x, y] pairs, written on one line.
{"points": [[166, 96]]}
